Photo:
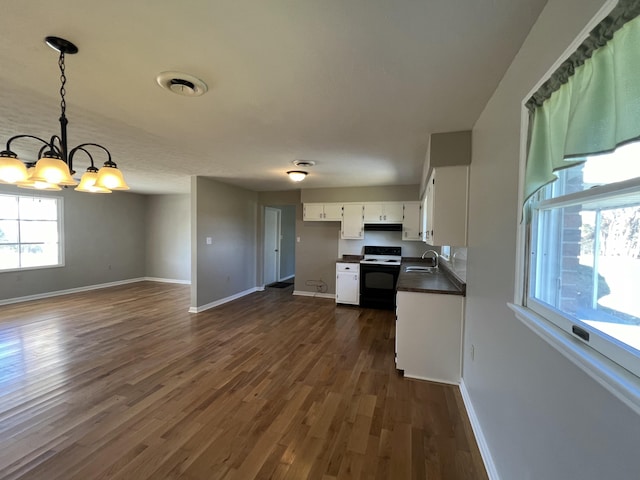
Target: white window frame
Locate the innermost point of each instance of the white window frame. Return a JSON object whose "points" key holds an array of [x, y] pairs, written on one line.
{"points": [[60, 223], [617, 380]]}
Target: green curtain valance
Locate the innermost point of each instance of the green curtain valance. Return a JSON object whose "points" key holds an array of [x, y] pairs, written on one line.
{"points": [[596, 110]]}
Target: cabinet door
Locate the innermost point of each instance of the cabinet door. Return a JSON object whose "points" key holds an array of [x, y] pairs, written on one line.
{"points": [[313, 211], [352, 222], [429, 336], [429, 200], [347, 288], [333, 212], [449, 206], [373, 213], [411, 221], [392, 212]]}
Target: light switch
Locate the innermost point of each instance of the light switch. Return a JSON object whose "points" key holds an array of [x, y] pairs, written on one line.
{"points": [[209, 240], [298, 239]]}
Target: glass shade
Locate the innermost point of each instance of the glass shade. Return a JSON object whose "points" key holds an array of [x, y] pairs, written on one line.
{"points": [[53, 170], [36, 184], [87, 184], [111, 178], [297, 175], [12, 170]]}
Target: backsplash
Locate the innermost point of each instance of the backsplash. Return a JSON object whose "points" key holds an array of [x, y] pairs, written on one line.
{"points": [[457, 262], [385, 239]]}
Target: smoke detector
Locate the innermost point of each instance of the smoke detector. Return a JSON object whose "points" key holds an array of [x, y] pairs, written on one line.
{"points": [[182, 84]]}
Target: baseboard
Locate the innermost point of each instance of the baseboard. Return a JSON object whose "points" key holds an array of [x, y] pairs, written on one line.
{"points": [[477, 431], [303, 293], [202, 308], [430, 379], [167, 280], [286, 278], [68, 291]]}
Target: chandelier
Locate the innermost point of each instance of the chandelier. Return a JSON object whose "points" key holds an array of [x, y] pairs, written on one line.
{"points": [[54, 168]]}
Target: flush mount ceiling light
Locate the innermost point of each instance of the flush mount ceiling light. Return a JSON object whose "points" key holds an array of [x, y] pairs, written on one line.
{"points": [[297, 175], [54, 167], [182, 84]]}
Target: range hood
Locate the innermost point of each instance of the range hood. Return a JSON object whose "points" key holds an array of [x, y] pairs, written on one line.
{"points": [[382, 227]]}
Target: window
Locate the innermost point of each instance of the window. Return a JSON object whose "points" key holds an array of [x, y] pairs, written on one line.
{"points": [[584, 269], [30, 232]]}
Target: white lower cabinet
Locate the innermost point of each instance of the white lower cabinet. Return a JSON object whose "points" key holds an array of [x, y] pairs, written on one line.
{"points": [[348, 283], [429, 336]]}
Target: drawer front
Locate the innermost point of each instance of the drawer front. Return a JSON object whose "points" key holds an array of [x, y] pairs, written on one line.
{"points": [[348, 267]]}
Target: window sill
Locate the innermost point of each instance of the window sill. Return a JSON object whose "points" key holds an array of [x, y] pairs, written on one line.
{"points": [[618, 381]]}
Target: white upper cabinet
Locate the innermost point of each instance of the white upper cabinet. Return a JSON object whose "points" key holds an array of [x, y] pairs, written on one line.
{"points": [[411, 224], [446, 200], [385, 212], [328, 212], [352, 221]]}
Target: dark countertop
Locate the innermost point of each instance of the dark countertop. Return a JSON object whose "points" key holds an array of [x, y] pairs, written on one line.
{"points": [[440, 282]]}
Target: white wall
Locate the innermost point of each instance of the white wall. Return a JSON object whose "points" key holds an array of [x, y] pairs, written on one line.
{"points": [[168, 237], [387, 239], [542, 417]]}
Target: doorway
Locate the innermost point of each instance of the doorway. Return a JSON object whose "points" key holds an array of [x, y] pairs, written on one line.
{"points": [[272, 236]]}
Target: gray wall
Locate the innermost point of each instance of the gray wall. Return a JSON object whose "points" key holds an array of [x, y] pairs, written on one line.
{"points": [[316, 255], [228, 215], [388, 193], [543, 418], [288, 242], [168, 237], [104, 239]]}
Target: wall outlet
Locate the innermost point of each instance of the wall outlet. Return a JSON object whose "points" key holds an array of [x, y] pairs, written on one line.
{"points": [[209, 240]]}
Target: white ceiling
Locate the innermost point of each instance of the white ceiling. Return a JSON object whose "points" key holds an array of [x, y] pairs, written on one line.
{"points": [[354, 85]]}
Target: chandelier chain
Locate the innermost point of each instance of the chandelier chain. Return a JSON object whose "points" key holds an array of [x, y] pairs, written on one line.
{"points": [[63, 81]]}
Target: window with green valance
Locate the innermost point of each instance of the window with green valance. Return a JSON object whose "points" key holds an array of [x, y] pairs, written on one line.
{"points": [[592, 102]]}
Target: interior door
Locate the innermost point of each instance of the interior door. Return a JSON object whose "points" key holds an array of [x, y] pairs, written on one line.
{"points": [[271, 245]]}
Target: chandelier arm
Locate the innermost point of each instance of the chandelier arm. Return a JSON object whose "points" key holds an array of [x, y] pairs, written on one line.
{"points": [[17, 137], [108, 163], [80, 147]]}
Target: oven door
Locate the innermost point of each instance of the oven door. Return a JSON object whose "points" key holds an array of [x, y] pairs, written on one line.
{"points": [[378, 285]]}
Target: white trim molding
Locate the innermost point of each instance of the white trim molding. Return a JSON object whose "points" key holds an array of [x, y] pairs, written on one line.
{"points": [[489, 466], [303, 293], [230, 298], [39, 296], [621, 383], [167, 280]]}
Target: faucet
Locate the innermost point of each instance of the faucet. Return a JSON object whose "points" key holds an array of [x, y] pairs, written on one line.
{"points": [[435, 257]]}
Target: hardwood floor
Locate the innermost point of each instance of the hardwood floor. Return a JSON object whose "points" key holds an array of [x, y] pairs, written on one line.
{"points": [[123, 383]]}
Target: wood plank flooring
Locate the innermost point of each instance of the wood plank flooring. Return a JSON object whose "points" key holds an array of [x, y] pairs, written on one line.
{"points": [[123, 383]]}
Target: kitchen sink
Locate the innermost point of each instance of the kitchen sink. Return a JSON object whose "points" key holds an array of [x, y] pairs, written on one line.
{"points": [[419, 269]]}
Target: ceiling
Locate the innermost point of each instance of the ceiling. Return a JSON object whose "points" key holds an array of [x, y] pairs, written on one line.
{"points": [[355, 85]]}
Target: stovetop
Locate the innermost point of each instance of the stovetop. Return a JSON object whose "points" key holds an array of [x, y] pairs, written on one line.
{"points": [[382, 255]]}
